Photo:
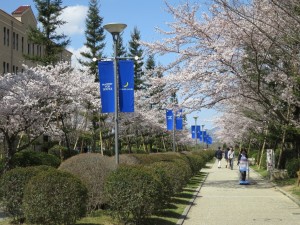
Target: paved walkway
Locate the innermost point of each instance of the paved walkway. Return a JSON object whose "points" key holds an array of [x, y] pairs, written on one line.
{"points": [[222, 201]]}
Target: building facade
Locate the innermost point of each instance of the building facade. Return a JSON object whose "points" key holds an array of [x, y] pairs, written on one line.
{"points": [[14, 42]]}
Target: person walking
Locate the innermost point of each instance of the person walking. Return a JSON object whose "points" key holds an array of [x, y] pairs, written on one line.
{"points": [[231, 157], [219, 155], [243, 165], [226, 156]]}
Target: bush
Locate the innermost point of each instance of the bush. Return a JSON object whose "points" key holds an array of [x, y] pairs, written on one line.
{"points": [[12, 186], [62, 152], [128, 159], [156, 157], [32, 158], [196, 162], [133, 193], [54, 197], [292, 167], [159, 171], [91, 169]]}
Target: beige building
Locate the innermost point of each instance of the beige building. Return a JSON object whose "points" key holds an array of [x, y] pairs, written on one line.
{"points": [[14, 42]]}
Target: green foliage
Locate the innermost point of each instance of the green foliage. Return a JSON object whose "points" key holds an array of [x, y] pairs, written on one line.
{"points": [[133, 193], [94, 34], [161, 173], [157, 157], [292, 166], [195, 161], [62, 152], [32, 158], [12, 186], [49, 17], [135, 49], [54, 197], [1, 166], [92, 169]]}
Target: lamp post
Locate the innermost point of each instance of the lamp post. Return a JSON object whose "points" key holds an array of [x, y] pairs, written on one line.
{"points": [[115, 29], [195, 117]]}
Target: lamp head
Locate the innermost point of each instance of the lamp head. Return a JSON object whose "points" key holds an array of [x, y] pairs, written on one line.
{"points": [[115, 28]]}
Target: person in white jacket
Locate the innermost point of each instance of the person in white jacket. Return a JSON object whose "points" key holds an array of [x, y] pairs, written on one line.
{"points": [[231, 157]]}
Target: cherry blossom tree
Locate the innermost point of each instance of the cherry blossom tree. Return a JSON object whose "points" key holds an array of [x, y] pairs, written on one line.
{"points": [[32, 101], [239, 51]]}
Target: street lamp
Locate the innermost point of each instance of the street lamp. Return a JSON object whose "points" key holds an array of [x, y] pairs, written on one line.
{"points": [[195, 117], [115, 29]]}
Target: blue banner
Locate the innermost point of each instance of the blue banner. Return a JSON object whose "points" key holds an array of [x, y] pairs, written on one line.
{"points": [[203, 135], [126, 85], [195, 131], [179, 123], [209, 140], [107, 86], [169, 118]]}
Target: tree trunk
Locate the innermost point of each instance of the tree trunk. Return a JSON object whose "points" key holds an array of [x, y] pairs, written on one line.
{"points": [[283, 138], [263, 148]]}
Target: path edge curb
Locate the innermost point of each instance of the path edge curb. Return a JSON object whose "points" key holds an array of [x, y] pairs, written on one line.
{"points": [[189, 206]]}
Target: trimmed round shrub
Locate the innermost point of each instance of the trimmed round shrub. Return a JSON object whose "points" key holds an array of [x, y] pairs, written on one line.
{"points": [[133, 193], [54, 198], [91, 169], [292, 167], [12, 185], [32, 158], [128, 159]]}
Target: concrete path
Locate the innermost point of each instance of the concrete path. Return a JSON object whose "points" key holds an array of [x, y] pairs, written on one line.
{"points": [[222, 201]]}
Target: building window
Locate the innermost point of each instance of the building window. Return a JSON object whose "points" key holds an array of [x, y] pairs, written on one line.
{"points": [[22, 43], [17, 42], [13, 69], [4, 35], [7, 67], [28, 48], [17, 69], [14, 40], [7, 37], [4, 67], [32, 49]]}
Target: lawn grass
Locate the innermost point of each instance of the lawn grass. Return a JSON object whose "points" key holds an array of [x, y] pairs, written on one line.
{"points": [[263, 172], [169, 216], [288, 184]]}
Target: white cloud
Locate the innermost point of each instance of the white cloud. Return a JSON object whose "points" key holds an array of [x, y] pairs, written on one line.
{"points": [[74, 16], [76, 55]]}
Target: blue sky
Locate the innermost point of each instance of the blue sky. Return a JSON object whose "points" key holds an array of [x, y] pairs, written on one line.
{"points": [[145, 15]]}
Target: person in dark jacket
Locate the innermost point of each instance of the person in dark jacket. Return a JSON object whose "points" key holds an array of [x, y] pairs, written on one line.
{"points": [[219, 155]]}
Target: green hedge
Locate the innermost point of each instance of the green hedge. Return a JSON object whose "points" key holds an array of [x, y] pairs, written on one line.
{"points": [[12, 185], [32, 158], [54, 198], [158, 170], [133, 193]]}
